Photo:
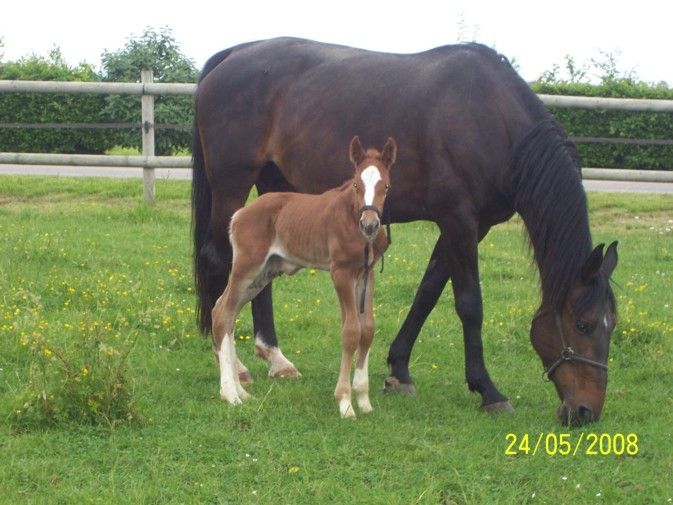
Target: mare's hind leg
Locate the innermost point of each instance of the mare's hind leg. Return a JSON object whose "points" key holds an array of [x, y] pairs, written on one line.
{"points": [[361, 375], [230, 188]]}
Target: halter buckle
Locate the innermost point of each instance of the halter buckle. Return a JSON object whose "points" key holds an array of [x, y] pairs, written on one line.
{"points": [[567, 354]]}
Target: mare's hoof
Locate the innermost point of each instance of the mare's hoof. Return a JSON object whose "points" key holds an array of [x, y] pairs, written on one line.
{"points": [[245, 378], [286, 373], [393, 385], [497, 407]]}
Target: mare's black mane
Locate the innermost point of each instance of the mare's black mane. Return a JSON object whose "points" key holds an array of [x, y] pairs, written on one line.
{"points": [[548, 194]]}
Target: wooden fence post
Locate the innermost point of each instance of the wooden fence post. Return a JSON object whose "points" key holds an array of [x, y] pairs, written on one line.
{"points": [[147, 102]]}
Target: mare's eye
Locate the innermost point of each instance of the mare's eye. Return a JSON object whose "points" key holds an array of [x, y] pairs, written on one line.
{"points": [[387, 187], [583, 326]]}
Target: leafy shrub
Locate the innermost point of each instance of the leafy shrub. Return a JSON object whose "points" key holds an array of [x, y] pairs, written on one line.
{"points": [[159, 52]]}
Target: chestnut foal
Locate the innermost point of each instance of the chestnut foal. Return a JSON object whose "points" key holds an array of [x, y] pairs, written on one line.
{"points": [[340, 231]]}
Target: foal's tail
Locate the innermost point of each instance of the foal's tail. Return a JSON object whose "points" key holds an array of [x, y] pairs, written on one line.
{"points": [[201, 209]]}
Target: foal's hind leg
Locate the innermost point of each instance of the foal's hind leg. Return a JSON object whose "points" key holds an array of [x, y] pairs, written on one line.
{"points": [[224, 313], [271, 179], [361, 375], [279, 366]]}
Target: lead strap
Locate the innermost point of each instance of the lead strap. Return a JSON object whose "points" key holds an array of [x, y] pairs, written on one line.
{"points": [[366, 274]]}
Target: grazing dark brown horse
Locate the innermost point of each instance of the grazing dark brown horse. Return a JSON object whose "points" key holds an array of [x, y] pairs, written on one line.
{"points": [[339, 231], [476, 146]]}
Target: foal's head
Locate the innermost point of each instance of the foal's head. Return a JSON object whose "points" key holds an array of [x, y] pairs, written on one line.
{"points": [[371, 183]]}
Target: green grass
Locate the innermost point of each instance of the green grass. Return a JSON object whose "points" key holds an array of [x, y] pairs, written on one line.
{"points": [[89, 273]]}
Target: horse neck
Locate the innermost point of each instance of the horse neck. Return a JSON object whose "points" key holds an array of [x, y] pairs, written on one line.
{"points": [[549, 196], [321, 216], [343, 206]]}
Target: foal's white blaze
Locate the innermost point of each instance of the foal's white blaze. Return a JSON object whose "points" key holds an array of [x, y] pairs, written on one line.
{"points": [[370, 176]]}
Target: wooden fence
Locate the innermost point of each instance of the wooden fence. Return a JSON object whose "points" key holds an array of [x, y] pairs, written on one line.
{"points": [[147, 89]]}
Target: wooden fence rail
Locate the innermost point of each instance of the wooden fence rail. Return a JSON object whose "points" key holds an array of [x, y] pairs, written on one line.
{"points": [[147, 89]]}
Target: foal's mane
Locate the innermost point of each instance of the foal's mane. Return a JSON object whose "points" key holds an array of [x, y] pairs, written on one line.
{"points": [[548, 194]]}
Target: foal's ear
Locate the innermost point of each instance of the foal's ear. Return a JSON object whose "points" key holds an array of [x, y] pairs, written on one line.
{"points": [[389, 153], [357, 152], [593, 264], [610, 260]]}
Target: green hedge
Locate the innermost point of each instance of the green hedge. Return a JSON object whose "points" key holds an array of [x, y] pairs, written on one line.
{"points": [[51, 108], [619, 124]]}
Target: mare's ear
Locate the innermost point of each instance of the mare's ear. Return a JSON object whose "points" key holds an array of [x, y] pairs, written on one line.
{"points": [[357, 152], [593, 264], [389, 153], [610, 260]]}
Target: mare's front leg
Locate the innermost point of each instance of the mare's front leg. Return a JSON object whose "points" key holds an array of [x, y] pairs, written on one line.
{"points": [[344, 283], [464, 268], [431, 287], [367, 327]]}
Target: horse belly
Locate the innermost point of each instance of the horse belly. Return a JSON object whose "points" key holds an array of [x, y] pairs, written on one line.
{"points": [[292, 260]]}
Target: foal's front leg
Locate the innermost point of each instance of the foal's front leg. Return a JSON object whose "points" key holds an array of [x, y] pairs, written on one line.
{"points": [[344, 283], [361, 375]]}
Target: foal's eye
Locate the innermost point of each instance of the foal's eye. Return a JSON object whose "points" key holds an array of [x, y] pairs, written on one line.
{"points": [[355, 185], [583, 326]]}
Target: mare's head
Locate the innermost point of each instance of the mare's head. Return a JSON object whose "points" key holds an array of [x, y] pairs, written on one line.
{"points": [[371, 182], [573, 341]]}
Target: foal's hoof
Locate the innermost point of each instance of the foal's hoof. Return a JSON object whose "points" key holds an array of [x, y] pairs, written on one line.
{"points": [[497, 407], [393, 385], [346, 410], [285, 373], [232, 399], [245, 378]]}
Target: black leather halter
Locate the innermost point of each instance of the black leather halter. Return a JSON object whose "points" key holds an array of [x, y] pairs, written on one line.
{"points": [[568, 354]]}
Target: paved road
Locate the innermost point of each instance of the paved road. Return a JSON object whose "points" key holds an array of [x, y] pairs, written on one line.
{"points": [[177, 173]]}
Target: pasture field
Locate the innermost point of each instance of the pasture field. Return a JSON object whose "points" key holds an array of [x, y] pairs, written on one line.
{"points": [[109, 395]]}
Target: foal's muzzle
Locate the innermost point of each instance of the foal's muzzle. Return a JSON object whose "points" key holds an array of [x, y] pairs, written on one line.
{"points": [[370, 221]]}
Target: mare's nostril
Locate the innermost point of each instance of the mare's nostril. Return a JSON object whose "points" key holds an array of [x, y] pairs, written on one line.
{"points": [[585, 413]]}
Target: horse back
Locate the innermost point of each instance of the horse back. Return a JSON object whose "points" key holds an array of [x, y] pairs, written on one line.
{"points": [[455, 112]]}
